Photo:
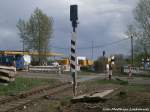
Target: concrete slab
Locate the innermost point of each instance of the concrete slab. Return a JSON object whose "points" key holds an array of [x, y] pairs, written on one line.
{"points": [[8, 68], [103, 94], [98, 94], [93, 98]]}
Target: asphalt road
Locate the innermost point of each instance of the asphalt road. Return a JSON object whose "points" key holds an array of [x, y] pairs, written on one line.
{"points": [[82, 78], [61, 77]]}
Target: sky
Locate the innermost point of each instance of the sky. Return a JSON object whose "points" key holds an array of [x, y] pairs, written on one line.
{"points": [[100, 22]]}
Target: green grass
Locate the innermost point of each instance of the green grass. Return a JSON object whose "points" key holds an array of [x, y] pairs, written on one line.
{"points": [[57, 106], [86, 73], [124, 84], [120, 82], [138, 88], [65, 100], [23, 84]]}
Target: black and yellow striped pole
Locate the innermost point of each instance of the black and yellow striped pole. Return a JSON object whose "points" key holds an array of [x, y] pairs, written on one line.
{"points": [[73, 59]]}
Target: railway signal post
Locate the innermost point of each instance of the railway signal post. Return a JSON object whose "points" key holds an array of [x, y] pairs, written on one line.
{"points": [[111, 61], [73, 58]]}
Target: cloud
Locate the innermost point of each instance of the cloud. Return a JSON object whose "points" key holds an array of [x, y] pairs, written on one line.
{"points": [[101, 21]]}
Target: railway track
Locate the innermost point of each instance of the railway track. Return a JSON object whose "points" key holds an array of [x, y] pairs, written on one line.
{"points": [[10, 104]]}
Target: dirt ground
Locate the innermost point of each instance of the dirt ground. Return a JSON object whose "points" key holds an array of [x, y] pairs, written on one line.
{"points": [[137, 98], [132, 100], [58, 102], [129, 100]]}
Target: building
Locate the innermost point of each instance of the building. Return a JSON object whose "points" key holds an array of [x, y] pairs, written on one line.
{"points": [[81, 62], [21, 59]]}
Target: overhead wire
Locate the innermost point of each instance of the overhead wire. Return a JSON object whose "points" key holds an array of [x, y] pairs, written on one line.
{"points": [[90, 47]]}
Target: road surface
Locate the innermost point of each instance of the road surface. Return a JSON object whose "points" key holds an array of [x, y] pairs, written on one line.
{"points": [[61, 77], [82, 78]]}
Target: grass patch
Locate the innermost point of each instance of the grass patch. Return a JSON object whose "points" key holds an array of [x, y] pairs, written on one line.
{"points": [[54, 106], [65, 100], [124, 84], [103, 81], [86, 73], [23, 84], [117, 81], [134, 88], [57, 105]]}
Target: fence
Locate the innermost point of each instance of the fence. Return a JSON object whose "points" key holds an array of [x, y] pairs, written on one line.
{"points": [[135, 70]]}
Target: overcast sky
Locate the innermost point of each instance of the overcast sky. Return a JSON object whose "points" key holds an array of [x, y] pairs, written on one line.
{"points": [[100, 21]]}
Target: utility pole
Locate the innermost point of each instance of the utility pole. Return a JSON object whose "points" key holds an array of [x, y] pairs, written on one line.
{"points": [[92, 48], [23, 46], [132, 55], [73, 64]]}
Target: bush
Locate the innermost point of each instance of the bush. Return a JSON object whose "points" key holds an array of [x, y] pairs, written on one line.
{"points": [[99, 64], [87, 69]]}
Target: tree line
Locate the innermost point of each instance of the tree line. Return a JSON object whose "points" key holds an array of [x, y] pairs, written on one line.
{"points": [[140, 30]]}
